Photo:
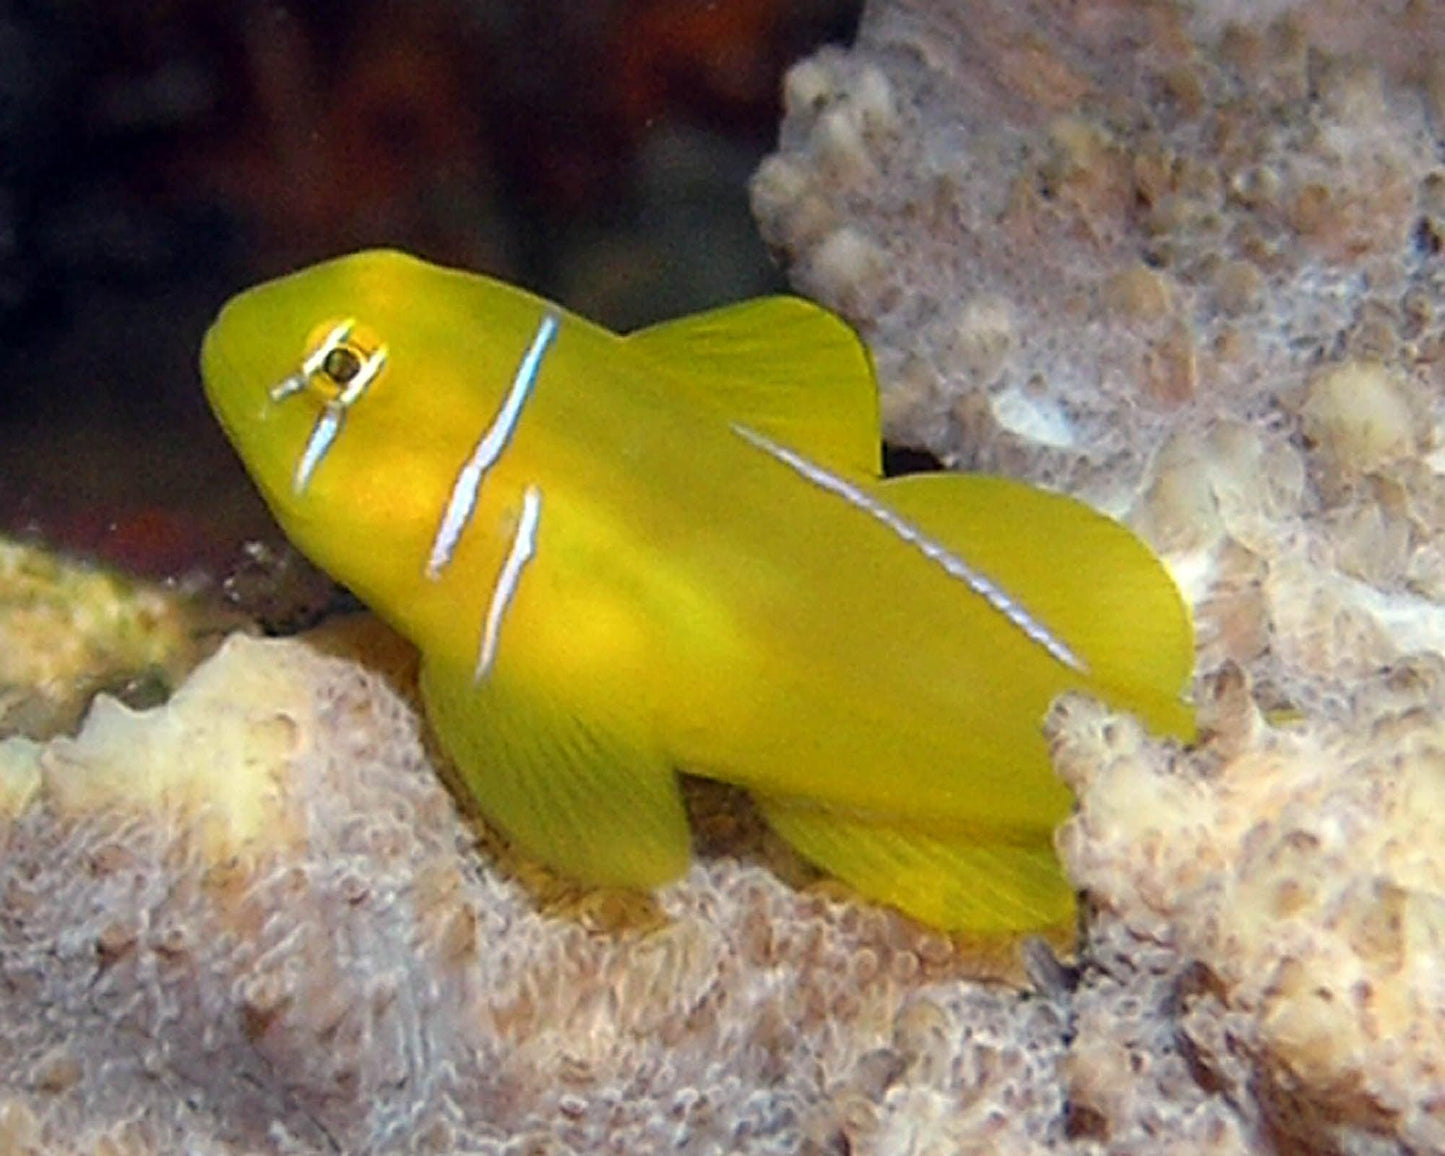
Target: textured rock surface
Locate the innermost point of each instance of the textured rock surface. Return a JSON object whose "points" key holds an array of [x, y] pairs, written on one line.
{"points": [[1293, 881], [67, 630], [252, 920], [1182, 261]]}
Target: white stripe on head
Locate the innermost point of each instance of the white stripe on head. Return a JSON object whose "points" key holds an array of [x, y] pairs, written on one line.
{"points": [[328, 425], [935, 551], [524, 545], [467, 487]]}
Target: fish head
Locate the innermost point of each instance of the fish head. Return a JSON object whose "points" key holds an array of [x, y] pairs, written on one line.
{"points": [[352, 390]]}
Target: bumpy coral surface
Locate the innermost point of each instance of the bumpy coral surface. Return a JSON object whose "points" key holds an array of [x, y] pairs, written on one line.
{"points": [[1184, 261], [251, 920], [1296, 877], [67, 629]]}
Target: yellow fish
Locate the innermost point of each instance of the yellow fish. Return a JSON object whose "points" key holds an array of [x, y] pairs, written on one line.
{"points": [[625, 556]]}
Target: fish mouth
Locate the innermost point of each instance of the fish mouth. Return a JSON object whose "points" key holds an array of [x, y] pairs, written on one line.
{"points": [[213, 360], [223, 386], [216, 374]]}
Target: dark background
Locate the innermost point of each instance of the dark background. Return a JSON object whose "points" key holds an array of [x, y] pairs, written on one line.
{"points": [[156, 158]]}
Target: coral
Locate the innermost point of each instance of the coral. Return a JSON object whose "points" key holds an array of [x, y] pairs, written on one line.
{"points": [[1182, 261], [252, 920], [1296, 877], [67, 630]]}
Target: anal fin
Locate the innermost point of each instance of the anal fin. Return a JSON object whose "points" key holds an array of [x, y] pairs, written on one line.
{"points": [[580, 796], [959, 882]]}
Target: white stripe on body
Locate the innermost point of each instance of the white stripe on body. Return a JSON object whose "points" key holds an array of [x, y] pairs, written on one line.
{"points": [[465, 490], [524, 545], [933, 550]]}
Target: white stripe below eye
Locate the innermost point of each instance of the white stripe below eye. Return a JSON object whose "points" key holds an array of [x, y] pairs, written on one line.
{"points": [[463, 499], [292, 385], [524, 545], [328, 425], [931, 549]]}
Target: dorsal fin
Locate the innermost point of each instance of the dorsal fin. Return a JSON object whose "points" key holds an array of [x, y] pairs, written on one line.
{"points": [[784, 367]]}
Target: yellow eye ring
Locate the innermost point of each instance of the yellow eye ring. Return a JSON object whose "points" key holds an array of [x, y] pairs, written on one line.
{"points": [[341, 358]]}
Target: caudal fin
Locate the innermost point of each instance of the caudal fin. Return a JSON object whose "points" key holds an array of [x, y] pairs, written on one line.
{"points": [[1087, 579]]}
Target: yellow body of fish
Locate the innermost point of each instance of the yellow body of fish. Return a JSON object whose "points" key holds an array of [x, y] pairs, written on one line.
{"points": [[622, 557]]}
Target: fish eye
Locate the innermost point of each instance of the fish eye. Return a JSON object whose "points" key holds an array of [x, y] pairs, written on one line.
{"points": [[342, 364]]}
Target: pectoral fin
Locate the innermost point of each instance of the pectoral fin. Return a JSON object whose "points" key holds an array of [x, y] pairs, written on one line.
{"points": [[782, 366], [976, 882], [582, 797]]}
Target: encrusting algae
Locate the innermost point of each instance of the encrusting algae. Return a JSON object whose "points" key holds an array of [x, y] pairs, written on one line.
{"points": [[68, 630]]}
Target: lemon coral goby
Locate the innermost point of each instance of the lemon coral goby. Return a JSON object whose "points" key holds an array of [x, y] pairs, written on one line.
{"points": [[625, 556]]}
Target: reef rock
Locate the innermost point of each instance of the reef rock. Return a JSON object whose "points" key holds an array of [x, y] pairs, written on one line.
{"points": [[1184, 261], [68, 630], [1292, 882], [252, 920]]}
